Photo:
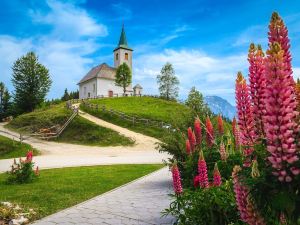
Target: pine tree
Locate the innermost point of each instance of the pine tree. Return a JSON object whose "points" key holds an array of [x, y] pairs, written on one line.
{"points": [[31, 81], [196, 103], [123, 76], [168, 82], [66, 95], [5, 104]]}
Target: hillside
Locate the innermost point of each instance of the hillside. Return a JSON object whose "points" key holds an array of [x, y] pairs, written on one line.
{"points": [[142, 107], [13, 149], [219, 105], [79, 131]]}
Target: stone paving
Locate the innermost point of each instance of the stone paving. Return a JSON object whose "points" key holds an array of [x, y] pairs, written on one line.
{"points": [[137, 203]]}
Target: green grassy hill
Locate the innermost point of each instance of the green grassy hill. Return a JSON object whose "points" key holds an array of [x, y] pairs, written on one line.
{"points": [[141, 107], [79, 131], [13, 149]]}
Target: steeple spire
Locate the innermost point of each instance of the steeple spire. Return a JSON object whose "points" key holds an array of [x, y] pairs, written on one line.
{"points": [[123, 40]]}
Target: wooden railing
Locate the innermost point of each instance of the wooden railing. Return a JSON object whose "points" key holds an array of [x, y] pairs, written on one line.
{"points": [[123, 116]]}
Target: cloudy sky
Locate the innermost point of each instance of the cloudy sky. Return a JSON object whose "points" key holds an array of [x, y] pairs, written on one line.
{"points": [[206, 41]]}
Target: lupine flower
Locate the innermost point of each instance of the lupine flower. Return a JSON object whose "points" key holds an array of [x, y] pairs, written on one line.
{"points": [[217, 176], [236, 134], [192, 138], [297, 92], [240, 194], [29, 156], [188, 147], [209, 132], [196, 181], [245, 115], [198, 131], [248, 212], [280, 116], [223, 153], [220, 125], [282, 219], [202, 171], [257, 86], [176, 179], [278, 33]]}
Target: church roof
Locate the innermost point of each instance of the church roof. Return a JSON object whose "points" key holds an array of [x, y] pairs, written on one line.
{"points": [[123, 41], [101, 71], [137, 86]]}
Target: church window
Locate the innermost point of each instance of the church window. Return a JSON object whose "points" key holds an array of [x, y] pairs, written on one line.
{"points": [[84, 90], [94, 87], [126, 56], [117, 56]]}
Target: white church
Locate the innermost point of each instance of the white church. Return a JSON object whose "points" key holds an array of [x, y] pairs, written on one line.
{"points": [[100, 80]]}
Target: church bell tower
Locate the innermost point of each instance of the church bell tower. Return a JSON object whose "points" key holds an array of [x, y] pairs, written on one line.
{"points": [[122, 53]]}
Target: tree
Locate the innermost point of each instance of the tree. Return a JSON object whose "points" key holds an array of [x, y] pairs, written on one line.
{"points": [[74, 94], [5, 103], [66, 95], [168, 82], [195, 102], [123, 76], [31, 81]]}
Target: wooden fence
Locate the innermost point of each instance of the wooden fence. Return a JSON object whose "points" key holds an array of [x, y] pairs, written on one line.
{"points": [[123, 116]]}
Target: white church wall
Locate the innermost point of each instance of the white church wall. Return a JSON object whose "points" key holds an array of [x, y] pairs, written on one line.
{"points": [[106, 85], [88, 89]]}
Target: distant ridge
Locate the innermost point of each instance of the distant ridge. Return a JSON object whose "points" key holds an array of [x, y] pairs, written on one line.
{"points": [[220, 106]]}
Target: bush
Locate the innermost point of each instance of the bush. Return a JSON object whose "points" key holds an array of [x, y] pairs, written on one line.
{"points": [[215, 205], [23, 171]]}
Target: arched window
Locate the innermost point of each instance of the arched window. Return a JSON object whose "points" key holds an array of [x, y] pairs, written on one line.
{"points": [[117, 56], [126, 56]]}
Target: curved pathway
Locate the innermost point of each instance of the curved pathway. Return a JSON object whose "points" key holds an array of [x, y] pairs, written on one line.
{"points": [[56, 155], [137, 203]]}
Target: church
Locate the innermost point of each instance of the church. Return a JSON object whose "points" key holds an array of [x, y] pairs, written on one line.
{"points": [[100, 80]]}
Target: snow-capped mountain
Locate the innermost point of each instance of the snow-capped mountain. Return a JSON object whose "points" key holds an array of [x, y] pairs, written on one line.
{"points": [[219, 105]]}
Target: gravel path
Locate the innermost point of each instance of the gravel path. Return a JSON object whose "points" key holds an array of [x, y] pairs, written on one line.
{"points": [[56, 155], [140, 202]]}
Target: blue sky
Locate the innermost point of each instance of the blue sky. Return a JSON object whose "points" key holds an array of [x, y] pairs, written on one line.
{"points": [[206, 41]]}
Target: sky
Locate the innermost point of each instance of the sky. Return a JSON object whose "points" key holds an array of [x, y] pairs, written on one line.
{"points": [[206, 41]]}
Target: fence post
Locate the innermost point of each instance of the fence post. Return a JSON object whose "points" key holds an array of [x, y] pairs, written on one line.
{"points": [[21, 138], [133, 120]]}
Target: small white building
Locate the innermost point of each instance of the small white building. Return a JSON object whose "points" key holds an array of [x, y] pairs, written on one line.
{"points": [[100, 80], [137, 89]]}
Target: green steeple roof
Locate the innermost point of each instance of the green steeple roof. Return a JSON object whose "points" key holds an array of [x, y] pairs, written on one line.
{"points": [[123, 41]]}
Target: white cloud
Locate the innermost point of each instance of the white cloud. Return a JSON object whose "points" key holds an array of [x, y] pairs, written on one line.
{"points": [[68, 17], [211, 75], [63, 50]]}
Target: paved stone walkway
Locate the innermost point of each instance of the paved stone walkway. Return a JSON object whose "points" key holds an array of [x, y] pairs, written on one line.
{"points": [[139, 202]]}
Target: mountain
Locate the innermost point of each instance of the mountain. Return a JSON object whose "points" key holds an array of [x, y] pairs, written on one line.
{"points": [[220, 106]]}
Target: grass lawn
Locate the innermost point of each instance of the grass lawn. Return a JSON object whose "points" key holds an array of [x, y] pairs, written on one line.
{"points": [[57, 189], [85, 132], [79, 131], [142, 107], [13, 149]]}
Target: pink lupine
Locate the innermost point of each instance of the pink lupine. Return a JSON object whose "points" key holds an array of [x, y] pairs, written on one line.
{"points": [[196, 181], [223, 153], [202, 172], [176, 179], [217, 176], [248, 212], [29, 156], [278, 32], [241, 193], [245, 115], [188, 147], [198, 131], [281, 113], [220, 125], [209, 133], [257, 86], [192, 138]]}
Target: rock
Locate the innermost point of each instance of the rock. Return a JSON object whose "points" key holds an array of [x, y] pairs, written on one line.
{"points": [[19, 221]]}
